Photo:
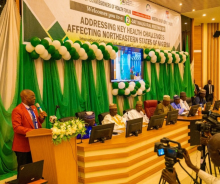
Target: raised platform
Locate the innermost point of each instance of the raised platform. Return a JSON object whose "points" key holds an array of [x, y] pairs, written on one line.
{"points": [[127, 160]]}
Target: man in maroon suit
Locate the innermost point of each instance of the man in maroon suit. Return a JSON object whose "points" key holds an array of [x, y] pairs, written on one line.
{"points": [[24, 119]]}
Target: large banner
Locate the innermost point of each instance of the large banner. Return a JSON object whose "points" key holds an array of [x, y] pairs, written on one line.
{"points": [[134, 23]]}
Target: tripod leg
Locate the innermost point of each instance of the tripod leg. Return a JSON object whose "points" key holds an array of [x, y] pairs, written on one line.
{"points": [[215, 171], [160, 179], [210, 167], [177, 179]]}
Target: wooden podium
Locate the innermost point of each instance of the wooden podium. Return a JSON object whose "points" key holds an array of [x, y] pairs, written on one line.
{"points": [[60, 161]]}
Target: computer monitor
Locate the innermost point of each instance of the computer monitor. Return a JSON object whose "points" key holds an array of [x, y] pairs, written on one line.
{"points": [[134, 127], [156, 122], [193, 110], [172, 117], [216, 105], [101, 133], [208, 106], [29, 173]]}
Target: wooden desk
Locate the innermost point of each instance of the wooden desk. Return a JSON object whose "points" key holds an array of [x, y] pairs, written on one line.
{"points": [[127, 160], [191, 118]]}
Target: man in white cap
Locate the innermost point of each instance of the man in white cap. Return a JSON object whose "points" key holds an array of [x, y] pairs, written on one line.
{"points": [[164, 107], [137, 113], [113, 117], [176, 104]]}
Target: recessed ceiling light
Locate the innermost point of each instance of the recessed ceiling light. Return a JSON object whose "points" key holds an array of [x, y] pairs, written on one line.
{"points": [[213, 19], [193, 9], [204, 15], [185, 22], [180, 4], [0, 5]]}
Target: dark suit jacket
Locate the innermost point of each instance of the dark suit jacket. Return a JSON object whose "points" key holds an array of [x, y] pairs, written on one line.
{"points": [[197, 88], [22, 123], [206, 87]]}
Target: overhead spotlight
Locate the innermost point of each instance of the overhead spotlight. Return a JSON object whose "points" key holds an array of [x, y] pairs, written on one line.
{"points": [[180, 4], [204, 15], [193, 9], [185, 22], [213, 19]]}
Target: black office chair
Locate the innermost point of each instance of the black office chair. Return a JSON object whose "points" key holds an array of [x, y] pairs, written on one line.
{"points": [[125, 111], [80, 115], [102, 116], [66, 119]]}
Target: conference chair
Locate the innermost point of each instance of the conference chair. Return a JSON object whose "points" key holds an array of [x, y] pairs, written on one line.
{"points": [[67, 118], [102, 116], [80, 115], [150, 107], [189, 101], [171, 101], [125, 111]]}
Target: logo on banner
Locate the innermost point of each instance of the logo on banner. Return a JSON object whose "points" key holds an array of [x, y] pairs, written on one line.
{"points": [[127, 20], [126, 2], [148, 8], [167, 14]]}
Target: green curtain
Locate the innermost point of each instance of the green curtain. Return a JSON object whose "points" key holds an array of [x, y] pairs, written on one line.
{"points": [[165, 79], [71, 90], [147, 81], [177, 80], [115, 101], [188, 86], [126, 104], [153, 89], [160, 83], [170, 80], [88, 91], [101, 87]]}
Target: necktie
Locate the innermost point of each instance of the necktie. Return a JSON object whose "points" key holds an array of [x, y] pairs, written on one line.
{"points": [[33, 118]]}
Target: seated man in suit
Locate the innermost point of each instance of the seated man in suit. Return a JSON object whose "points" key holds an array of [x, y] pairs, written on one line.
{"points": [[164, 107], [113, 117], [183, 102], [137, 113], [89, 118], [200, 100], [176, 104]]}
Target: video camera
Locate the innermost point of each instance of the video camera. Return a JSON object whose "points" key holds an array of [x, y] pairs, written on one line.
{"points": [[209, 124], [171, 153]]}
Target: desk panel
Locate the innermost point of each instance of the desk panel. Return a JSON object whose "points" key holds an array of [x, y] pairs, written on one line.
{"points": [[127, 160]]}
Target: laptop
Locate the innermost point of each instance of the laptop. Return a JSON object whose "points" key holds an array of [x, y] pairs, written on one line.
{"points": [[29, 173]]}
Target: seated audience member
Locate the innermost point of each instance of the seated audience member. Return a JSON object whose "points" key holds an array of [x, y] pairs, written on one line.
{"points": [[89, 119], [183, 102], [200, 99], [214, 153], [137, 113], [164, 107], [113, 117], [176, 104]]}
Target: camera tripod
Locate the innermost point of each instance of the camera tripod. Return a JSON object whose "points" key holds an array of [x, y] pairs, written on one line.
{"points": [[204, 155], [169, 163]]}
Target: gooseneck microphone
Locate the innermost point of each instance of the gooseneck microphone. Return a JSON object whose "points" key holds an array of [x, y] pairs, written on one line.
{"points": [[57, 106], [38, 107]]}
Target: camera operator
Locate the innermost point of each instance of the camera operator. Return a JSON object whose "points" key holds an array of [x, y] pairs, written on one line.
{"points": [[214, 152]]}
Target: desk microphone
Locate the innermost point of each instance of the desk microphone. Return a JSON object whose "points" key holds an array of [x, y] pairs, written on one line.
{"points": [[57, 106]]}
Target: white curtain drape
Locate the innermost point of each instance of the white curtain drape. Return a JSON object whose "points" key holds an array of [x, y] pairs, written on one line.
{"points": [[9, 49]]}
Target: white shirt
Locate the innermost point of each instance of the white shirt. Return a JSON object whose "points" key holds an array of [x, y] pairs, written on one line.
{"points": [[134, 114], [119, 121], [207, 178], [184, 104], [210, 89]]}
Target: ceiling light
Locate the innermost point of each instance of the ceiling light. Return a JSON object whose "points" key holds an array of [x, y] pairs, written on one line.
{"points": [[0, 5], [213, 19], [180, 4], [204, 15], [185, 22], [193, 9]]}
